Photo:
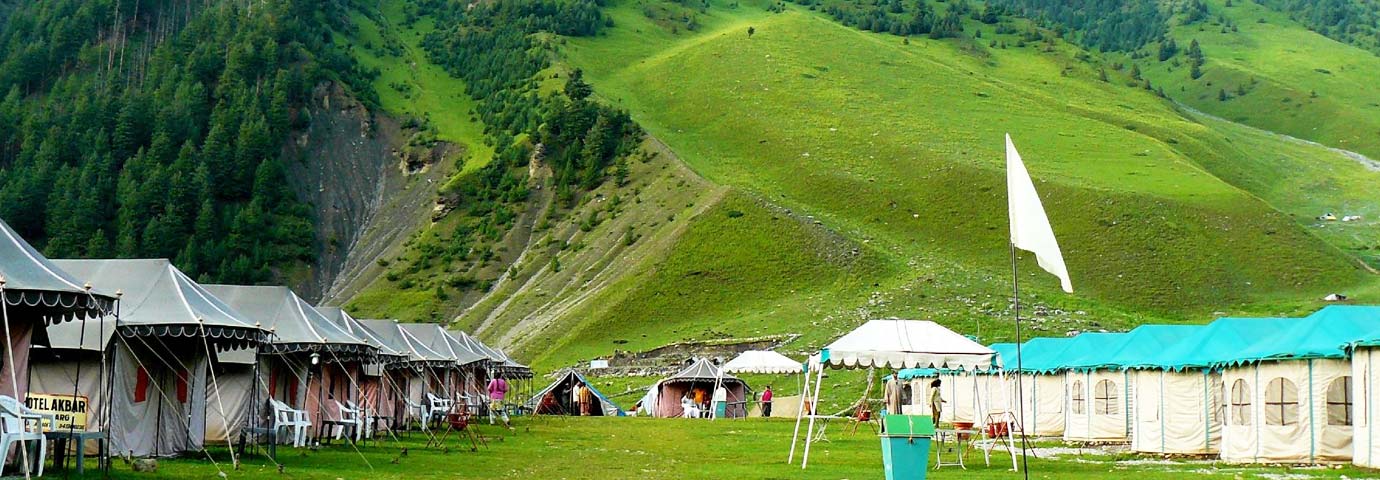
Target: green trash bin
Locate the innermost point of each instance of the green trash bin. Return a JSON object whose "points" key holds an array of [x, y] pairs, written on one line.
{"points": [[906, 446]]}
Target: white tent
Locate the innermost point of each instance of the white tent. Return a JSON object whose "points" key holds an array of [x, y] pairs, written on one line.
{"points": [[763, 361], [890, 343], [1290, 394]]}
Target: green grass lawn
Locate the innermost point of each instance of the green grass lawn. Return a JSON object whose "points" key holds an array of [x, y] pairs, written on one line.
{"points": [[576, 448]]}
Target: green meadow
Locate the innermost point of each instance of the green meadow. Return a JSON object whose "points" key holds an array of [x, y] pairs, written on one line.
{"points": [[574, 448]]}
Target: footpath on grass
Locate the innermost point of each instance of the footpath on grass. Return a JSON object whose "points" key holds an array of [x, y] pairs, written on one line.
{"points": [[644, 448]]}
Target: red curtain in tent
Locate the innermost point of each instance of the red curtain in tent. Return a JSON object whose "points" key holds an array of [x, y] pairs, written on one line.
{"points": [[141, 385]]}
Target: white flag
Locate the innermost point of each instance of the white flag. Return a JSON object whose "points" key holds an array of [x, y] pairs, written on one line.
{"points": [[1030, 229]]}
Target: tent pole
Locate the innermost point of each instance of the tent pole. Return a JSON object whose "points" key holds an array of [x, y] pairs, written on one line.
{"points": [[800, 412], [814, 407], [1016, 315]]}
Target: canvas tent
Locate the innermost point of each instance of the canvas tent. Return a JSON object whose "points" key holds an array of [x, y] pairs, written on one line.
{"points": [[1289, 394], [169, 334], [663, 399], [1180, 402], [309, 360], [378, 394], [455, 379], [1364, 401], [1043, 394], [556, 398], [410, 377], [1101, 396], [891, 343], [34, 294]]}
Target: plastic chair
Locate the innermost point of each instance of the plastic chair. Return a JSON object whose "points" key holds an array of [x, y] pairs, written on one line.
{"points": [[437, 407], [350, 418], [287, 419], [21, 425]]}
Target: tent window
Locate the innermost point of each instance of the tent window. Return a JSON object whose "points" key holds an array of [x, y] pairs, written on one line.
{"points": [[1219, 400], [1105, 398], [906, 394], [1281, 402], [1077, 397], [1339, 402], [1240, 403]]}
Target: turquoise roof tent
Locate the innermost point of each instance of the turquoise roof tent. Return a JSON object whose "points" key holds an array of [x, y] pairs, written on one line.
{"points": [[1365, 371], [1179, 395], [1097, 395], [1290, 393], [1042, 396]]}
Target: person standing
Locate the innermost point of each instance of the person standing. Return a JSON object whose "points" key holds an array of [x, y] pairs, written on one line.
{"points": [[891, 395], [498, 390], [720, 402], [936, 401], [575, 399], [586, 400], [766, 402]]}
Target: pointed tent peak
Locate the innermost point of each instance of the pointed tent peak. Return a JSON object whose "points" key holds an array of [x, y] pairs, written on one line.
{"points": [[763, 361], [353, 326], [31, 281], [297, 325], [1130, 349], [434, 337], [907, 344], [391, 331], [700, 369]]}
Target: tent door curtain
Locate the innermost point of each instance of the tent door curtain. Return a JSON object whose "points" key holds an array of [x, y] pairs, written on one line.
{"points": [[1366, 451], [158, 399], [230, 401], [20, 339]]}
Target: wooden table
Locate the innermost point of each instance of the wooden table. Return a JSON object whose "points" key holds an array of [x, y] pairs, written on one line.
{"points": [[61, 438]]}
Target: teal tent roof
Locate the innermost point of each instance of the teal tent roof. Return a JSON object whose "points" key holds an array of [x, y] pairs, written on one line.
{"points": [[1131, 349], [1324, 334], [1216, 342], [1088, 350], [1038, 355]]}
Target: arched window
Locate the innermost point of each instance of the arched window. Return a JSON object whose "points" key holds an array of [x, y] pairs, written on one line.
{"points": [[1240, 403], [1105, 398], [1077, 397], [1281, 402], [1339, 401]]}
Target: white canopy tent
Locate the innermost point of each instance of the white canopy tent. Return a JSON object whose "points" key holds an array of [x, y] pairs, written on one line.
{"points": [[763, 361], [890, 343]]}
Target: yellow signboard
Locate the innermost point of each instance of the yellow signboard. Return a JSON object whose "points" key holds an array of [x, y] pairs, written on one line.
{"points": [[69, 411]]}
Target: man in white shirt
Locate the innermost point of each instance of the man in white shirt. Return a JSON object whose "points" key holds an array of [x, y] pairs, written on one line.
{"points": [[720, 401]]}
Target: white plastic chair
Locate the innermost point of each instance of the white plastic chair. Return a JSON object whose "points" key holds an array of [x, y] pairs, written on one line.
{"points": [[422, 412], [364, 423], [21, 425], [286, 419], [438, 407], [350, 417]]}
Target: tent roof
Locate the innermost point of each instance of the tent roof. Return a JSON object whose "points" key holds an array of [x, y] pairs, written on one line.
{"points": [[1125, 350], [160, 301], [1324, 334], [92, 334], [907, 344], [1216, 342], [700, 370], [32, 281], [433, 337], [763, 361], [391, 333], [1038, 355], [352, 325], [295, 325]]}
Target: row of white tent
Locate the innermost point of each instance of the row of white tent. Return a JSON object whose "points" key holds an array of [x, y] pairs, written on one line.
{"points": [[166, 365], [1250, 390]]}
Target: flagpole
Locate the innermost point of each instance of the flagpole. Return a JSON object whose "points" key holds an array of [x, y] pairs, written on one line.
{"points": [[1020, 367]]}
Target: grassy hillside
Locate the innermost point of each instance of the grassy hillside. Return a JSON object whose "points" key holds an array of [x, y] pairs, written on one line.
{"points": [[850, 175], [1277, 75], [897, 144]]}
